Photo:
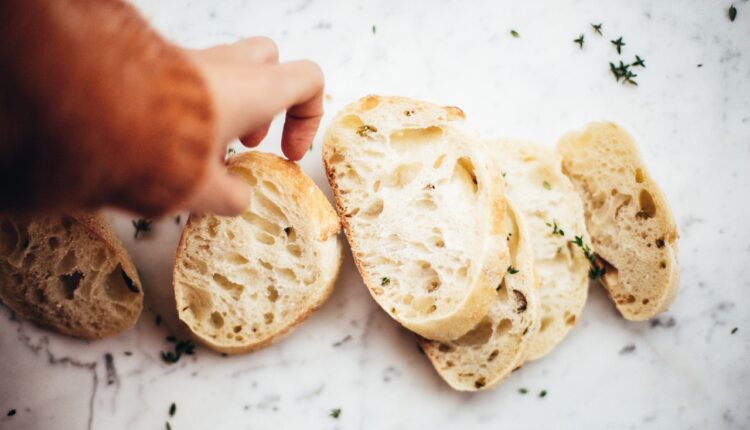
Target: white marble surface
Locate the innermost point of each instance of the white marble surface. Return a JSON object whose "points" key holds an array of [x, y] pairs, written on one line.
{"points": [[693, 125]]}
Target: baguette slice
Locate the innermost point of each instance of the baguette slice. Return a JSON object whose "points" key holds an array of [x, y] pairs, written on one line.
{"points": [[631, 225], [69, 273], [487, 354], [242, 282], [422, 211], [553, 212]]}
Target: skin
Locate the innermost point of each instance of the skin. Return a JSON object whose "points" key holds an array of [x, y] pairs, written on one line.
{"points": [[249, 87]]}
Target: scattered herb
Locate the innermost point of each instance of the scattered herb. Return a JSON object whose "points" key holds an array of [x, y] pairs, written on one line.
{"points": [[385, 280], [420, 349], [310, 148], [547, 185], [667, 323], [543, 393], [158, 320], [579, 41], [623, 72], [343, 341], [409, 112], [732, 13], [523, 390], [167, 426], [172, 409], [11, 412], [128, 353], [596, 270], [514, 33], [734, 330], [231, 151], [141, 226], [627, 349], [171, 339], [639, 62], [181, 347], [512, 270], [555, 229], [335, 413], [700, 65], [177, 219], [374, 29], [364, 130], [597, 28], [503, 174], [619, 44]]}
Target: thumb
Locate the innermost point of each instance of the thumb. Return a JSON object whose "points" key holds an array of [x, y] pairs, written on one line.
{"points": [[221, 193]]}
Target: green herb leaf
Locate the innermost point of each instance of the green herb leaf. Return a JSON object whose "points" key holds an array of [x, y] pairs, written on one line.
{"points": [[597, 28], [182, 347], [142, 225], [579, 41], [734, 330], [512, 270], [335, 413], [547, 185], [639, 62], [515, 34], [555, 229], [523, 390], [543, 393], [596, 270], [732, 13], [128, 353], [172, 409], [374, 29], [385, 280], [231, 151], [167, 426], [11, 412], [177, 219], [619, 44]]}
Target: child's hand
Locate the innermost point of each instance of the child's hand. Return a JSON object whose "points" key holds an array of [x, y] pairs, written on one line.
{"points": [[249, 87]]}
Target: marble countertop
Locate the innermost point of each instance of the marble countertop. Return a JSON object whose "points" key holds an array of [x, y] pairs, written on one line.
{"points": [[687, 369]]}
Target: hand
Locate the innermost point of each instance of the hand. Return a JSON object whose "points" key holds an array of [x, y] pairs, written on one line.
{"points": [[249, 87]]}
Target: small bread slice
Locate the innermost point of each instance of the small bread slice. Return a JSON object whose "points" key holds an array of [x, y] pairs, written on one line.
{"points": [[69, 273], [488, 353], [242, 282], [631, 225], [422, 211], [553, 213]]}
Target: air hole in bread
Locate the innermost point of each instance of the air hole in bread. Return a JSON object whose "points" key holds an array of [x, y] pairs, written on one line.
{"points": [[265, 238], [116, 286], [639, 175], [369, 102], [645, 301], [463, 271], [266, 265], [479, 335], [545, 323], [503, 326], [213, 227], [424, 305], [403, 175], [444, 347], [411, 139], [353, 122], [217, 320], [68, 262], [570, 320], [648, 207], [199, 301], [268, 317], [662, 264], [272, 208], [294, 249], [449, 364], [376, 186], [272, 294], [287, 274], [67, 223], [437, 242], [237, 259], [336, 158], [374, 210], [235, 290], [521, 303], [69, 284], [626, 200], [480, 382], [426, 203], [438, 162], [493, 355], [502, 291], [101, 258], [464, 173], [53, 243], [630, 299], [269, 186], [262, 223], [40, 296], [237, 328], [29, 259], [8, 237]]}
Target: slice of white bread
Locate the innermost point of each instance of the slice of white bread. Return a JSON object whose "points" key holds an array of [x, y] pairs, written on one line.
{"points": [[496, 346], [553, 212], [242, 282], [69, 273], [422, 211], [631, 225]]}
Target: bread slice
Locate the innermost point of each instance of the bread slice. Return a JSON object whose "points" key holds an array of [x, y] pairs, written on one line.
{"points": [[69, 273], [631, 225], [484, 356], [242, 282], [553, 212], [422, 211]]}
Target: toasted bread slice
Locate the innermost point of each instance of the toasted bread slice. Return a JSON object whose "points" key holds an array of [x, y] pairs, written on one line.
{"points": [[631, 225], [69, 273], [484, 356], [553, 213], [422, 211], [242, 282]]}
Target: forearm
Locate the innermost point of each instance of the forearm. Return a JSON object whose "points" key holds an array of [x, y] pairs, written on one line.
{"points": [[96, 109]]}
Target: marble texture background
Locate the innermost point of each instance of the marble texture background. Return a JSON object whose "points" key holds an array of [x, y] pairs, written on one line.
{"points": [[690, 115]]}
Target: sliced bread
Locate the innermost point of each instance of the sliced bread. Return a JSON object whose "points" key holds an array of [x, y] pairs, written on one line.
{"points": [[242, 282], [69, 273], [484, 356], [422, 211], [631, 225], [553, 213]]}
